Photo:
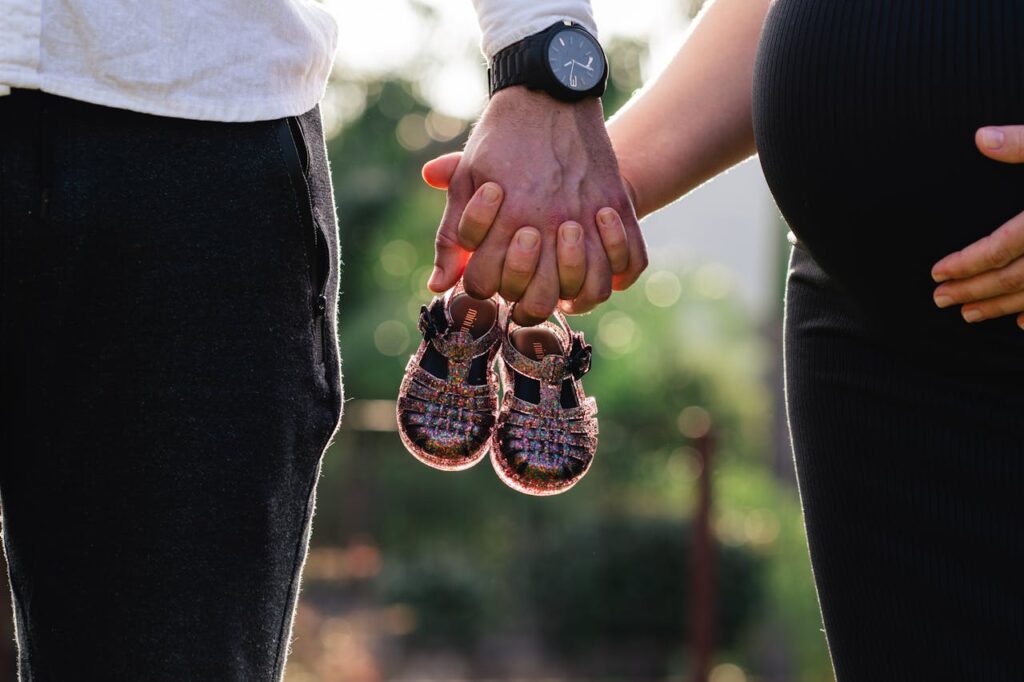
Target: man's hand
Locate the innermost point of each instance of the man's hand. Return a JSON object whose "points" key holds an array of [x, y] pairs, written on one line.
{"points": [[521, 259], [557, 169], [987, 277]]}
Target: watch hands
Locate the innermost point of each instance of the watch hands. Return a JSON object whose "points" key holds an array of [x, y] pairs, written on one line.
{"points": [[582, 66]]}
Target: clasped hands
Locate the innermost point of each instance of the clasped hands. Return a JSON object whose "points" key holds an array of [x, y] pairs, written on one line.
{"points": [[538, 200], [537, 197]]}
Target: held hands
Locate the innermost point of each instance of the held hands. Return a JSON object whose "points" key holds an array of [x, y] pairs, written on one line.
{"points": [[987, 277], [543, 172]]}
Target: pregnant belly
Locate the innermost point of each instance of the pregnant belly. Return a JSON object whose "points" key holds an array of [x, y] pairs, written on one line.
{"points": [[864, 114]]}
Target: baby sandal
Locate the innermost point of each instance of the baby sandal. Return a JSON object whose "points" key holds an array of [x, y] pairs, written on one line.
{"points": [[546, 434], [448, 399]]}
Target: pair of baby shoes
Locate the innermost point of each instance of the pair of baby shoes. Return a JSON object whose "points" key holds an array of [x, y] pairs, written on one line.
{"points": [[543, 437]]}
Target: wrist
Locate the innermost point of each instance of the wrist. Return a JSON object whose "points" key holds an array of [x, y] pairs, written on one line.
{"points": [[519, 100]]}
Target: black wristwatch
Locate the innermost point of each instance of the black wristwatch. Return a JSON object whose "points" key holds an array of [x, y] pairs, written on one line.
{"points": [[564, 60]]}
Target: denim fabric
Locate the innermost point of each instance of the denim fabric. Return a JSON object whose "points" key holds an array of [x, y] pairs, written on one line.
{"points": [[170, 379]]}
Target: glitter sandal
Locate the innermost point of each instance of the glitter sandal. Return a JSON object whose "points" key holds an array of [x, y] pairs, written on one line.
{"points": [[546, 434], [448, 400]]}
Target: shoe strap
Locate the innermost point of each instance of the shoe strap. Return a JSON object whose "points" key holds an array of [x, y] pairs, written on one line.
{"points": [[436, 325], [553, 369]]}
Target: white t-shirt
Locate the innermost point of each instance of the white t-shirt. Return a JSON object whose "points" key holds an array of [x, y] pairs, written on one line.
{"points": [[219, 60]]}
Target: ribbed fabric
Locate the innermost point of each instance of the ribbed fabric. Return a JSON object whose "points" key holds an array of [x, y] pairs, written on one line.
{"points": [[865, 113], [907, 423]]}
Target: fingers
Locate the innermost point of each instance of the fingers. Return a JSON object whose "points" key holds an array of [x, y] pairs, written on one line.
{"points": [[987, 277], [638, 259], [1002, 143], [541, 296], [1007, 280], [613, 237], [438, 172], [989, 253], [473, 221], [625, 247], [520, 263], [479, 215], [622, 259], [449, 255], [597, 283], [482, 277], [1011, 304], [572, 260]]}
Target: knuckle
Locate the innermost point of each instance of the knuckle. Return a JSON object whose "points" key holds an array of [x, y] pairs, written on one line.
{"points": [[570, 260], [444, 240], [1010, 279], [517, 268], [998, 255], [474, 287], [991, 309], [1017, 142]]}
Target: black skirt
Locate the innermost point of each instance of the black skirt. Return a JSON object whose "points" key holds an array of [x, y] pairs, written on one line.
{"points": [[907, 422]]}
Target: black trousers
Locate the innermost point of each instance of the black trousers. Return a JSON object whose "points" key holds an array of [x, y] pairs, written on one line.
{"points": [[170, 379]]}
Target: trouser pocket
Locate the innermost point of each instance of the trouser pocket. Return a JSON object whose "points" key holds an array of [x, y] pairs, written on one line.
{"points": [[296, 155]]}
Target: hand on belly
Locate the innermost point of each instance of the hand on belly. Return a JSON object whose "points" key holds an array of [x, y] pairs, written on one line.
{"points": [[986, 278]]}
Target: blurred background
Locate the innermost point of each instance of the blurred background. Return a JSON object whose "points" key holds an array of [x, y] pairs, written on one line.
{"points": [[416, 574]]}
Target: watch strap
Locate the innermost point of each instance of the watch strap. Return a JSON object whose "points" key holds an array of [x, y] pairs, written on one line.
{"points": [[510, 66], [524, 63]]}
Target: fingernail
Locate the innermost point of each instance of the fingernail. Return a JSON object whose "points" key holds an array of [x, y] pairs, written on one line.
{"points": [[992, 138], [943, 301], [939, 277], [527, 240], [972, 315], [571, 233], [491, 193], [435, 275], [606, 217]]}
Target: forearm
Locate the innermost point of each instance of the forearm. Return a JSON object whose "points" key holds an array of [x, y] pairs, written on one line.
{"points": [[694, 120]]}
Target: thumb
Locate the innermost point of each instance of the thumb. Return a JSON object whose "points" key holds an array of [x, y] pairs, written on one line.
{"points": [[1002, 143], [438, 172]]}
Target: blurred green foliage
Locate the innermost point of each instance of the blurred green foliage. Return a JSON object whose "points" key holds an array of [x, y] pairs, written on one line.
{"points": [[596, 579]]}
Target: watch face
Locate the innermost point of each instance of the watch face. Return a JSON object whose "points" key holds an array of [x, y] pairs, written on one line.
{"points": [[576, 59]]}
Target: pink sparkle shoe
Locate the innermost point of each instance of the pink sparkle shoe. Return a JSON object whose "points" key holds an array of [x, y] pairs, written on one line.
{"points": [[448, 399], [546, 434]]}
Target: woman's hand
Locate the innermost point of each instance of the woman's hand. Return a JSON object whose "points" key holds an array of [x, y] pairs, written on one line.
{"points": [[987, 278], [523, 254]]}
